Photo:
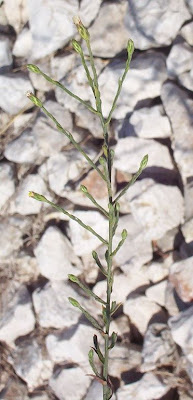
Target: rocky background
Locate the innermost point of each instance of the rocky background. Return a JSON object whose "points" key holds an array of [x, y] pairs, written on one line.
{"points": [[44, 341]]}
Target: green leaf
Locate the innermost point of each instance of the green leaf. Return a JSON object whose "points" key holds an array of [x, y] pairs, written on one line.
{"points": [[124, 236], [96, 258], [76, 46], [89, 292], [91, 319], [33, 68], [104, 315], [92, 364], [113, 340], [116, 218], [114, 307], [97, 349]]}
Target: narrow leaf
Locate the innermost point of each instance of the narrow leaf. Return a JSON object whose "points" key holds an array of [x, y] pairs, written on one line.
{"points": [[114, 307], [116, 218], [113, 340], [124, 236], [96, 258], [92, 364], [91, 198], [91, 319], [143, 164], [89, 292], [97, 349]]}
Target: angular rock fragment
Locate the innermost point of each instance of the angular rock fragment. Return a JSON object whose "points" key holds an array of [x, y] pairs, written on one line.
{"points": [[88, 11], [7, 184], [11, 231], [147, 388], [187, 33], [150, 123], [182, 279], [16, 13], [70, 383], [155, 26], [5, 53], [156, 293], [12, 93], [180, 59], [23, 44], [30, 364], [55, 256], [17, 318]]}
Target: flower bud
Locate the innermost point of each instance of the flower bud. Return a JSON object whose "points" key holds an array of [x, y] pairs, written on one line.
{"points": [[33, 68], [77, 47], [130, 48], [83, 32], [34, 99], [37, 196]]}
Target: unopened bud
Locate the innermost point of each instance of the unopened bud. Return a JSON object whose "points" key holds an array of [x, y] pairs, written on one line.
{"points": [[37, 196], [77, 47], [83, 32], [130, 48], [33, 68], [34, 99]]}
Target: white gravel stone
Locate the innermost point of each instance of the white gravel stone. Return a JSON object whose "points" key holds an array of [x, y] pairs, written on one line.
{"points": [[158, 154], [186, 79], [178, 107], [190, 5], [182, 279], [18, 318], [156, 293], [140, 310], [109, 25], [156, 271], [155, 26], [158, 347], [51, 28], [26, 268], [17, 13], [70, 383], [180, 59], [5, 53], [11, 232], [88, 11], [24, 205], [181, 329], [123, 358], [187, 33], [187, 230], [7, 184], [30, 364], [23, 44], [82, 240], [13, 93], [70, 346], [55, 255], [52, 306], [144, 81], [151, 123], [147, 388], [27, 142]]}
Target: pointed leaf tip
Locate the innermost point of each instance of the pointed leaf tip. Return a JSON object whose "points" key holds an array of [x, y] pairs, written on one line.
{"points": [[144, 161]]}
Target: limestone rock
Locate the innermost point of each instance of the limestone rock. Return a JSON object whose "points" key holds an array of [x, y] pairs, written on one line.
{"points": [[158, 154], [186, 80], [147, 388], [181, 278], [88, 11], [16, 12], [7, 184], [70, 346], [187, 230], [51, 28], [82, 240], [70, 383], [23, 44], [21, 202], [5, 53], [30, 363], [155, 26], [156, 293], [60, 313], [55, 255], [151, 123], [187, 33], [158, 347], [180, 59], [109, 25], [140, 310], [143, 81], [27, 142], [123, 358], [12, 93], [11, 231], [178, 108], [190, 5], [18, 318], [26, 268]]}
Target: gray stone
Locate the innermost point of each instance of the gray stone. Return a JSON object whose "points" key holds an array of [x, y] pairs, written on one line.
{"points": [[27, 142], [51, 28], [156, 293], [187, 230], [11, 231], [124, 358], [157, 208], [18, 318], [144, 81], [82, 240], [190, 5], [7, 184], [55, 255], [140, 310], [157, 270], [168, 241], [151, 123], [125, 161], [187, 33], [147, 388], [170, 300], [180, 59], [109, 25], [30, 364], [155, 26], [70, 346], [52, 306], [16, 13], [25, 268], [5, 53], [70, 383], [186, 80], [23, 44], [21, 202], [181, 278], [158, 348], [88, 11], [39, 82], [178, 107], [12, 93], [83, 115]]}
